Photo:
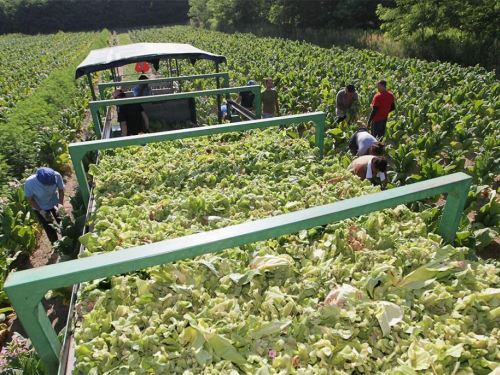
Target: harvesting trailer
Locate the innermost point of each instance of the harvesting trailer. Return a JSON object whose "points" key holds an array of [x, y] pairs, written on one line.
{"points": [[26, 289], [167, 101]]}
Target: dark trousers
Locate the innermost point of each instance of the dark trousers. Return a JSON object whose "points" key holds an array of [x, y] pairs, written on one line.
{"points": [[51, 232], [378, 128]]}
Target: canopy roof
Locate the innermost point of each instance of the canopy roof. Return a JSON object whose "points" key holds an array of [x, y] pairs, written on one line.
{"points": [[112, 57]]}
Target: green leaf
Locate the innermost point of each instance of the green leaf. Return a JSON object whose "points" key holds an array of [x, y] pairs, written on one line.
{"points": [[388, 315]]}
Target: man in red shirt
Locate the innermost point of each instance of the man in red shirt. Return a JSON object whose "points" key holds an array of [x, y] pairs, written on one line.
{"points": [[383, 103]]}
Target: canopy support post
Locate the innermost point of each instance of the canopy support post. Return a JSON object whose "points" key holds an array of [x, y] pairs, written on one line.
{"points": [[178, 74], [91, 85], [219, 100]]}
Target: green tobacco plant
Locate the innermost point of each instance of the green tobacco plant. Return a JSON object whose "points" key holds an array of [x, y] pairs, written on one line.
{"points": [[53, 150], [70, 230], [489, 213], [486, 167], [19, 229], [404, 162]]}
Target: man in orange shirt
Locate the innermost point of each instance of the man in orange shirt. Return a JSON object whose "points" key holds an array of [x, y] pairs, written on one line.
{"points": [[383, 103]]}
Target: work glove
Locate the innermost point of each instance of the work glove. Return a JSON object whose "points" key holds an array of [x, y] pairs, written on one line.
{"points": [[46, 215]]}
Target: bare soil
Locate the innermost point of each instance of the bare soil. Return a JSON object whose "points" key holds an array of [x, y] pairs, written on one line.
{"points": [[492, 251]]}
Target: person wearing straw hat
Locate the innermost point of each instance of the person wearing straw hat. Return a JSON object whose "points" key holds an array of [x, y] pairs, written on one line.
{"points": [[45, 193]]}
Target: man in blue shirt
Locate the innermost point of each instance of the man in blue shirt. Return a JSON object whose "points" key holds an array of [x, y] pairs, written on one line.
{"points": [[143, 89], [44, 192]]}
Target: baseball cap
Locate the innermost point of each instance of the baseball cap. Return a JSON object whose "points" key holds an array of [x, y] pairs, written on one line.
{"points": [[117, 93], [251, 83], [351, 88], [46, 176]]}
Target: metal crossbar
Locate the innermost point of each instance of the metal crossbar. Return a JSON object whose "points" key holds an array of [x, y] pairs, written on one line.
{"points": [[78, 150], [26, 289], [223, 75], [96, 105]]}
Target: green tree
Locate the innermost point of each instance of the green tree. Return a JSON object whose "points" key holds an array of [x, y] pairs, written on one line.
{"points": [[199, 12], [463, 31]]}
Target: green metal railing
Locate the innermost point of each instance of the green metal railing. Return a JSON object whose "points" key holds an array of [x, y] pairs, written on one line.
{"points": [[224, 75], [96, 105], [26, 289], [78, 150]]}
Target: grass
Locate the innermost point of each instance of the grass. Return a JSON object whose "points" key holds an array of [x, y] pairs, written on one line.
{"points": [[129, 72]]}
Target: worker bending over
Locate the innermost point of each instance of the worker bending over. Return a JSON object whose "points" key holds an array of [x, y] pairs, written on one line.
{"points": [[363, 143], [370, 167], [45, 193]]}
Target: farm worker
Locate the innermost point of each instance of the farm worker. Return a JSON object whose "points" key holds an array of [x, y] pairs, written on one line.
{"points": [[363, 143], [246, 98], [131, 116], [143, 89], [45, 193], [347, 101], [269, 96], [223, 110], [383, 103], [370, 167]]}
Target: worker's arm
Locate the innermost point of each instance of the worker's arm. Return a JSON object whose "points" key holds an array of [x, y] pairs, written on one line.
{"points": [[393, 107], [61, 196], [123, 126], [360, 171], [339, 102], [238, 99], [32, 202], [146, 120], [277, 106], [383, 184], [372, 115], [45, 214]]}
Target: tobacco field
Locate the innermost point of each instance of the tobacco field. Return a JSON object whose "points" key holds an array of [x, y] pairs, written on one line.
{"points": [[378, 294]]}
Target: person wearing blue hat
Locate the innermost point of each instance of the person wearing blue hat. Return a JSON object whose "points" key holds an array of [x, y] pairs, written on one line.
{"points": [[143, 89], [223, 110], [45, 192], [246, 98]]}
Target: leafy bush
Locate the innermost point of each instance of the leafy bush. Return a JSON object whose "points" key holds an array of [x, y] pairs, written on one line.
{"points": [[18, 357]]}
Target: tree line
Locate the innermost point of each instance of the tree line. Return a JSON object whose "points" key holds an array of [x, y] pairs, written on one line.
{"points": [[462, 31], [48, 16], [287, 15]]}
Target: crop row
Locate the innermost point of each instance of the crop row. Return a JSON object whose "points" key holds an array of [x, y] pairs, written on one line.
{"points": [[38, 133], [375, 294], [447, 117], [444, 112], [28, 60]]}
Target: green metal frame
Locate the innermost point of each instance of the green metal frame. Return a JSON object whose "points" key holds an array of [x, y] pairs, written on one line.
{"points": [[26, 289], [223, 75], [96, 105], [78, 150]]}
